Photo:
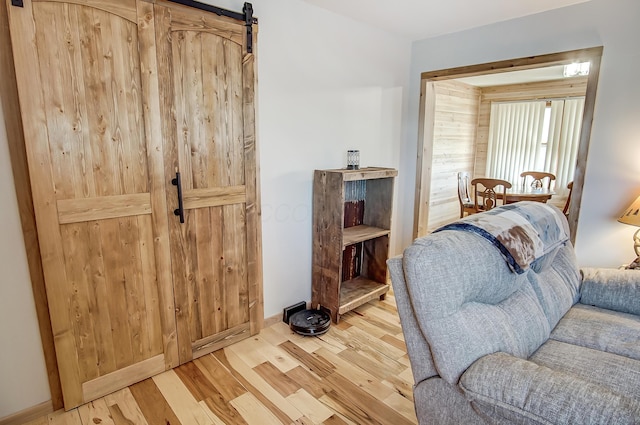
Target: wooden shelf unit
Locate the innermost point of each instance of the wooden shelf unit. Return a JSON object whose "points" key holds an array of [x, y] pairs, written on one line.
{"points": [[350, 254]]}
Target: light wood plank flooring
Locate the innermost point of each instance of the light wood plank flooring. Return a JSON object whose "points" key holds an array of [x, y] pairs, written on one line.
{"points": [[357, 373]]}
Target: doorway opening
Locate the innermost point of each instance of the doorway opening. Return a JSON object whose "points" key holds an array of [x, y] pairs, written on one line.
{"points": [[425, 176]]}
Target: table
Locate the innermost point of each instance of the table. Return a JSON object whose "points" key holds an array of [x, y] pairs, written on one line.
{"points": [[516, 194]]}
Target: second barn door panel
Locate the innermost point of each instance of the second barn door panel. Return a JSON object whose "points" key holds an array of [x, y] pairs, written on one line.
{"points": [[207, 83]]}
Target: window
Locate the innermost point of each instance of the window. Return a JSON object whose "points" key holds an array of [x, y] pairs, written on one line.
{"points": [[544, 138], [536, 136]]}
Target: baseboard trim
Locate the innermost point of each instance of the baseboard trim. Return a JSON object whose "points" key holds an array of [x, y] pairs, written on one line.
{"points": [[268, 321], [28, 414]]}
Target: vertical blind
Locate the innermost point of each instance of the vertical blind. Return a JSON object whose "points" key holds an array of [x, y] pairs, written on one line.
{"points": [[564, 138], [515, 132], [519, 140]]}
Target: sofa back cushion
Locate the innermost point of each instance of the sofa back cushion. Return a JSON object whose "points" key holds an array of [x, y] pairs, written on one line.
{"points": [[469, 303]]}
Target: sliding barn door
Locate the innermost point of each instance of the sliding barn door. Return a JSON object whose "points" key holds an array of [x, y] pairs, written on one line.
{"points": [[97, 172], [117, 98], [207, 87]]}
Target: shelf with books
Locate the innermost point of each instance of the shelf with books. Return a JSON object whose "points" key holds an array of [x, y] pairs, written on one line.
{"points": [[351, 230]]}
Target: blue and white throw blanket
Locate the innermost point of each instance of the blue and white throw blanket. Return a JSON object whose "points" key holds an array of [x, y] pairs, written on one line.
{"points": [[523, 232]]}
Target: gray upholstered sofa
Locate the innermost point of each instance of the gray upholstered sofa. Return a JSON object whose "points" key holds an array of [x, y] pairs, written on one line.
{"points": [[538, 342]]}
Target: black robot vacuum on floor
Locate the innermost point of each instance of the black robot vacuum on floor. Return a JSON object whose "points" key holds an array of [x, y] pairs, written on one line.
{"points": [[310, 322]]}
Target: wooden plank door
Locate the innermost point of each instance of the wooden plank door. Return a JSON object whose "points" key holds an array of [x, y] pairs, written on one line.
{"points": [[89, 102], [207, 87]]}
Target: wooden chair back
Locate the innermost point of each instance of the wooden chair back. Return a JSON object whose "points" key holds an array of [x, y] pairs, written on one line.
{"points": [[487, 192], [464, 194], [539, 179], [565, 210]]}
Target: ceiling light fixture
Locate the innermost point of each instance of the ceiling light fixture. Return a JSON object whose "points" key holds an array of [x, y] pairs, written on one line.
{"points": [[576, 69]]}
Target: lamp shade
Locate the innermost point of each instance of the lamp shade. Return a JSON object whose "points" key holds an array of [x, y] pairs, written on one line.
{"points": [[632, 214]]}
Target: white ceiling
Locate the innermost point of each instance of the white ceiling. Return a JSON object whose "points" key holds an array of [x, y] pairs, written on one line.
{"points": [[516, 77], [418, 19]]}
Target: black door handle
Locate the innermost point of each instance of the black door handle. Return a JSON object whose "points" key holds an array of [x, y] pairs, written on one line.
{"points": [[180, 210]]}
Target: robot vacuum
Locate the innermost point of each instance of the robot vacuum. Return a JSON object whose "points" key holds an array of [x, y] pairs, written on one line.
{"points": [[310, 322]]}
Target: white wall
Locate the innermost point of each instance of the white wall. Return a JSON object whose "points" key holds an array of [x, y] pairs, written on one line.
{"points": [[23, 377], [326, 84], [612, 177]]}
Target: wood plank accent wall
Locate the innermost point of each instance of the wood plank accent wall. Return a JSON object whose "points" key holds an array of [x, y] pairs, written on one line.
{"points": [[454, 147], [568, 87]]}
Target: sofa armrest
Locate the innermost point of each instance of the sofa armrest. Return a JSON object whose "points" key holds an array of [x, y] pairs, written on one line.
{"points": [[521, 391], [418, 349], [612, 289]]}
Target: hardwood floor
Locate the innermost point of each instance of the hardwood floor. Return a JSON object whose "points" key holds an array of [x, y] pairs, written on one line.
{"points": [[356, 373]]}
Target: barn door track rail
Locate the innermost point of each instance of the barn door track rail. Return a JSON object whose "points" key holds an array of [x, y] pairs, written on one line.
{"points": [[246, 16]]}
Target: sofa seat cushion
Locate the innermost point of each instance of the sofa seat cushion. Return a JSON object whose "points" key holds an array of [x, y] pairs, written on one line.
{"points": [[500, 385], [614, 372], [600, 329]]}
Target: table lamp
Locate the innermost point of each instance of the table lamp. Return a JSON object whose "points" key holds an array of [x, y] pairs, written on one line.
{"points": [[632, 216]]}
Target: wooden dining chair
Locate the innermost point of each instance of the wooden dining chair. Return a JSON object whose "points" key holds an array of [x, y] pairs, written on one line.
{"points": [[464, 195], [487, 190], [565, 210], [539, 180]]}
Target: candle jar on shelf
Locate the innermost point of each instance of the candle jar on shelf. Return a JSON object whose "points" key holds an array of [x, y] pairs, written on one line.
{"points": [[353, 159]]}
